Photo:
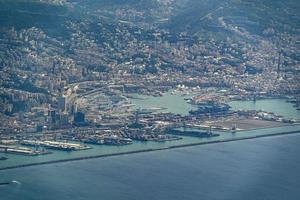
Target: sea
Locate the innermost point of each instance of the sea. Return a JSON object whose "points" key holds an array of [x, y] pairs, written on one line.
{"points": [[256, 169], [259, 169]]}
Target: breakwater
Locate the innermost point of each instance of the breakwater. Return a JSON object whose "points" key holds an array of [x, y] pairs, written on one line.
{"points": [[151, 149]]}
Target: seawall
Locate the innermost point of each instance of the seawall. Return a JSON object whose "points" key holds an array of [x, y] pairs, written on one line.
{"points": [[150, 150]]}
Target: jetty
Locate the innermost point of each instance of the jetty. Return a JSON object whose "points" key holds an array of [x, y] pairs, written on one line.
{"points": [[153, 150]]}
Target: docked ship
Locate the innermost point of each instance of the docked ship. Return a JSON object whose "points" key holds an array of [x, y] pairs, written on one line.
{"points": [[117, 141], [210, 108], [193, 133]]}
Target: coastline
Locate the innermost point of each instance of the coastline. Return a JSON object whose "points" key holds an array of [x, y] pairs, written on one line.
{"points": [[264, 128], [151, 150]]}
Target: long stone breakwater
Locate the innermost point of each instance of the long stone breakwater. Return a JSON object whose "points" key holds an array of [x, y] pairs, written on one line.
{"points": [[150, 150]]}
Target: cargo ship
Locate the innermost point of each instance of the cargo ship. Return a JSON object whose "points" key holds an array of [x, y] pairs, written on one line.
{"points": [[210, 108], [193, 133]]}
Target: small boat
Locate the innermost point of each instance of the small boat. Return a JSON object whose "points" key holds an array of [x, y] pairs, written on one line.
{"points": [[3, 158], [4, 183]]}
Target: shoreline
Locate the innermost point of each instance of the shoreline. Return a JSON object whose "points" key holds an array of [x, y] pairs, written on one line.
{"points": [[263, 128], [150, 150]]}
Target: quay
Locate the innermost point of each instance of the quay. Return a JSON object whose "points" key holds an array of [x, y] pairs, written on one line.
{"points": [[21, 150], [152, 150], [65, 146]]}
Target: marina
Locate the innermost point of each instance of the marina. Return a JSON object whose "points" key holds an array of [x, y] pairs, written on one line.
{"points": [[226, 166], [60, 152], [149, 100], [141, 147]]}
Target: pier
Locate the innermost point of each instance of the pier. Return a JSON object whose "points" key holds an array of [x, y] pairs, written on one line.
{"points": [[65, 146], [21, 150], [152, 150]]}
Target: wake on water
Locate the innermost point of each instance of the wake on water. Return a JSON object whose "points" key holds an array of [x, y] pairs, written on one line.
{"points": [[13, 182], [16, 182]]}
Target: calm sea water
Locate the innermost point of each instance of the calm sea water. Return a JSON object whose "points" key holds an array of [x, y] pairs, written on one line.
{"points": [[278, 106], [266, 168], [261, 169], [176, 104], [172, 103]]}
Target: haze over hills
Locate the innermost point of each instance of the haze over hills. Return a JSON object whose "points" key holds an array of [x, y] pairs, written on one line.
{"points": [[180, 15], [93, 79], [198, 37]]}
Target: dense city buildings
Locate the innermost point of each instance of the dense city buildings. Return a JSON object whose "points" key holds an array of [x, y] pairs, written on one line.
{"points": [[79, 83], [149, 99]]}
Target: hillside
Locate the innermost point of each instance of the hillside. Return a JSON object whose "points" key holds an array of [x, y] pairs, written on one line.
{"points": [[50, 41]]}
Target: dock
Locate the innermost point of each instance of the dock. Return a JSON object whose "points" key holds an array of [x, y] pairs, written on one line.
{"points": [[154, 150], [21, 150], [65, 146]]}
